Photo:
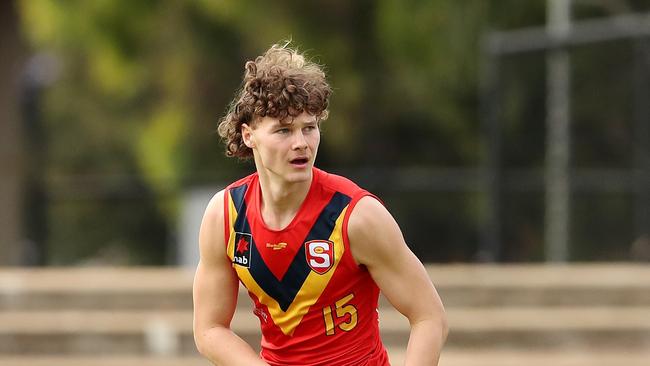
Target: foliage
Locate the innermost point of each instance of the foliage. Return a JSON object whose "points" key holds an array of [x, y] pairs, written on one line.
{"points": [[134, 112]]}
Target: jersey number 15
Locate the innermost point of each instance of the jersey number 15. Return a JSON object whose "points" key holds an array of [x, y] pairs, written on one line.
{"points": [[341, 310]]}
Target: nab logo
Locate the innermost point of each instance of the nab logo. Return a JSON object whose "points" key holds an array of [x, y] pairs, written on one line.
{"points": [[242, 255], [319, 255]]}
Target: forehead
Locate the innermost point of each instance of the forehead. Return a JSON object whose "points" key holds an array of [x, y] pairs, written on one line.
{"points": [[303, 118]]}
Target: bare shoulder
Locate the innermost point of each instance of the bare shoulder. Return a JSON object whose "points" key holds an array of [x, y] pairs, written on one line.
{"points": [[211, 236], [215, 206], [373, 232], [368, 215]]}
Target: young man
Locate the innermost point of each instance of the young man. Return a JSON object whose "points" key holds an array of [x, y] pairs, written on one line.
{"points": [[313, 249]]}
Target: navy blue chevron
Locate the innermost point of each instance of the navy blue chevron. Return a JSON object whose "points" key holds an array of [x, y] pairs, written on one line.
{"points": [[284, 291], [322, 229], [237, 195]]}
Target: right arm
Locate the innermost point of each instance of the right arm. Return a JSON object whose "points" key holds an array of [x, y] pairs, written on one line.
{"points": [[215, 295]]}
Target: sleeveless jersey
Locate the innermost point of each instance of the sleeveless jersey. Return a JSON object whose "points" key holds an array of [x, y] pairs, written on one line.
{"points": [[315, 304]]}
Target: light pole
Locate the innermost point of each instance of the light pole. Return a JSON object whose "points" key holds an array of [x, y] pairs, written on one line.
{"points": [[558, 137]]}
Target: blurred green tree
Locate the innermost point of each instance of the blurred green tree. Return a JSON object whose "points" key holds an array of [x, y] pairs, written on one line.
{"points": [[132, 119], [131, 122]]}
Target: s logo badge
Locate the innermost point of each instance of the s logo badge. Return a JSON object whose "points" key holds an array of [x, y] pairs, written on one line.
{"points": [[319, 255]]}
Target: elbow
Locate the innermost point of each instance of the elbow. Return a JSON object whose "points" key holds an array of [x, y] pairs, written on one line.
{"points": [[444, 327], [435, 323], [207, 340], [440, 326], [199, 343], [202, 341]]}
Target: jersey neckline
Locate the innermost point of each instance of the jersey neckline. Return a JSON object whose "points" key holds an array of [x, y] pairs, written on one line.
{"points": [[257, 202]]}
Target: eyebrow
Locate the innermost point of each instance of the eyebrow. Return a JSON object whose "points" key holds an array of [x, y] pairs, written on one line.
{"points": [[280, 124]]}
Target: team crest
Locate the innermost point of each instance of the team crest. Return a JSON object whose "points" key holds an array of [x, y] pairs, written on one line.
{"points": [[319, 255], [242, 255]]}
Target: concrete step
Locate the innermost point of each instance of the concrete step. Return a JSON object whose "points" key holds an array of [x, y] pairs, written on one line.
{"points": [[596, 284], [170, 332], [536, 328], [95, 288], [96, 332], [459, 286], [449, 358]]}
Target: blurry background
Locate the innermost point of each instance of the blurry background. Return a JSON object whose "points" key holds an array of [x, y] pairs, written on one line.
{"points": [[109, 111], [510, 139]]}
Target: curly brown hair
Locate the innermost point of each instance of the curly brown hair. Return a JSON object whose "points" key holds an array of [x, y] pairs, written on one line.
{"points": [[278, 84]]}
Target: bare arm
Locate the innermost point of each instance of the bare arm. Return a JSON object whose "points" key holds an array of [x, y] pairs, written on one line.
{"points": [[215, 296], [377, 242]]}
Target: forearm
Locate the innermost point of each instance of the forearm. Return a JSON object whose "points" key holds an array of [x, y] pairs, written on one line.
{"points": [[224, 348], [425, 342]]}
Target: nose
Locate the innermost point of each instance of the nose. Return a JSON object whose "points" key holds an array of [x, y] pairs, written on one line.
{"points": [[299, 140]]}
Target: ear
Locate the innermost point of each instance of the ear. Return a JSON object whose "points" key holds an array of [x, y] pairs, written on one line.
{"points": [[247, 135]]}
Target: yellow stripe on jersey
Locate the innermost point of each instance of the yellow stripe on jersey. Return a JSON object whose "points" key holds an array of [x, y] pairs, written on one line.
{"points": [[308, 294], [232, 217]]}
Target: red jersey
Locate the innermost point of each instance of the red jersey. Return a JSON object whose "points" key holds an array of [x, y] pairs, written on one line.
{"points": [[315, 304]]}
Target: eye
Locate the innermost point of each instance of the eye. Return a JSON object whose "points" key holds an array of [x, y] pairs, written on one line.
{"points": [[310, 128], [282, 131]]}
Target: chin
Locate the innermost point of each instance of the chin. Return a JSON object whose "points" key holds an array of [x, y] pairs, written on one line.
{"points": [[300, 176]]}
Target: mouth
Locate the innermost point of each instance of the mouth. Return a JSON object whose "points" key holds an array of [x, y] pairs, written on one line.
{"points": [[299, 162]]}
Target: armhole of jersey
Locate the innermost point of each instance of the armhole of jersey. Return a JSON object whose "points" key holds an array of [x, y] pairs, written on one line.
{"points": [[353, 202]]}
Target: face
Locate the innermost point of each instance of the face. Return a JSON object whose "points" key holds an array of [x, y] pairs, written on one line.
{"points": [[284, 151]]}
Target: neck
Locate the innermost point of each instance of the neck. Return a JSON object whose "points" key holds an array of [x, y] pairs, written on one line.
{"points": [[281, 200]]}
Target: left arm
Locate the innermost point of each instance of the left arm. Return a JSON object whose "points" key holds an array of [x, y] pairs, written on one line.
{"points": [[377, 242]]}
